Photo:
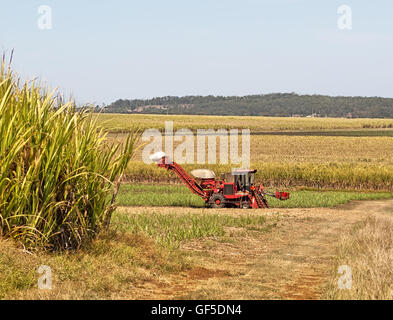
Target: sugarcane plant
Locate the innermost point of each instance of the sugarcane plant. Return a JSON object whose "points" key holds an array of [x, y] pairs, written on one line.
{"points": [[58, 175]]}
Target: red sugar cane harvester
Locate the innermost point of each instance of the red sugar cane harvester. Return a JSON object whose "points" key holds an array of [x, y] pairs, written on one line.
{"points": [[236, 189]]}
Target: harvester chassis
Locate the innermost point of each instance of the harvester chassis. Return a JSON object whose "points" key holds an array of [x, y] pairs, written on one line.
{"points": [[222, 194]]}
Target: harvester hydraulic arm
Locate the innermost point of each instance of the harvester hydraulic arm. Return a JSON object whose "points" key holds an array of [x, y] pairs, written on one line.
{"points": [[183, 175]]}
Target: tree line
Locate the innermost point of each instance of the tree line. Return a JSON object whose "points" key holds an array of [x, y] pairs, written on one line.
{"points": [[276, 104]]}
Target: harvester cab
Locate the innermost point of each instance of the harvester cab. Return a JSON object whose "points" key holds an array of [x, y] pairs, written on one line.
{"points": [[235, 189], [243, 179]]}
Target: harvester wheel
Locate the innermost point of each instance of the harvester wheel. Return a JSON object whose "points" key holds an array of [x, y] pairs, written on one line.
{"points": [[217, 201], [245, 205]]}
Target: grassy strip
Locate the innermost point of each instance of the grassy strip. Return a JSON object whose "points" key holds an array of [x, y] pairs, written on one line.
{"points": [[170, 229], [178, 195], [368, 252], [157, 195], [328, 199]]}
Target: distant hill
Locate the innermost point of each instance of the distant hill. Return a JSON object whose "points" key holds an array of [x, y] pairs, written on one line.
{"points": [[277, 104]]}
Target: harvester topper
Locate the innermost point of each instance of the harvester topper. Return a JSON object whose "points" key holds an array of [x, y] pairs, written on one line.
{"points": [[236, 189]]}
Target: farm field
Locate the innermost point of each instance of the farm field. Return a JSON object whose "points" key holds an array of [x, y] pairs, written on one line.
{"points": [[350, 154], [172, 253], [196, 155], [124, 122], [307, 149], [164, 244]]}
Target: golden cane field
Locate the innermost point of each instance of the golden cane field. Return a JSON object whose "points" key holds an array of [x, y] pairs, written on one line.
{"points": [[116, 122], [321, 153]]}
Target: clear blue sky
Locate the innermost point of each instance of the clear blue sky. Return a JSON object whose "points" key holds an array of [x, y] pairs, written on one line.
{"points": [[104, 50]]}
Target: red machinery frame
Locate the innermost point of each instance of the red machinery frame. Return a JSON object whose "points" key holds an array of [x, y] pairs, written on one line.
{"points": [[212, 191]]}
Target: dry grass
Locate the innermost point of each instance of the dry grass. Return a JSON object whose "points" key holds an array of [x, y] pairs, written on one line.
{"points": [[116, 122], [113, 267], [319, 149], [368, 251], [304, 149], [141, 252], [292, 260]]}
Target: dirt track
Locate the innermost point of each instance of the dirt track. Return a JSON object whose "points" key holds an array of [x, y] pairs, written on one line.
{"points": [[292, 261]]}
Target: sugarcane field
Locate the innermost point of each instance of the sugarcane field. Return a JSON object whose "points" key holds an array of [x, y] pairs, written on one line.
{"points": [[154, 170]]}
